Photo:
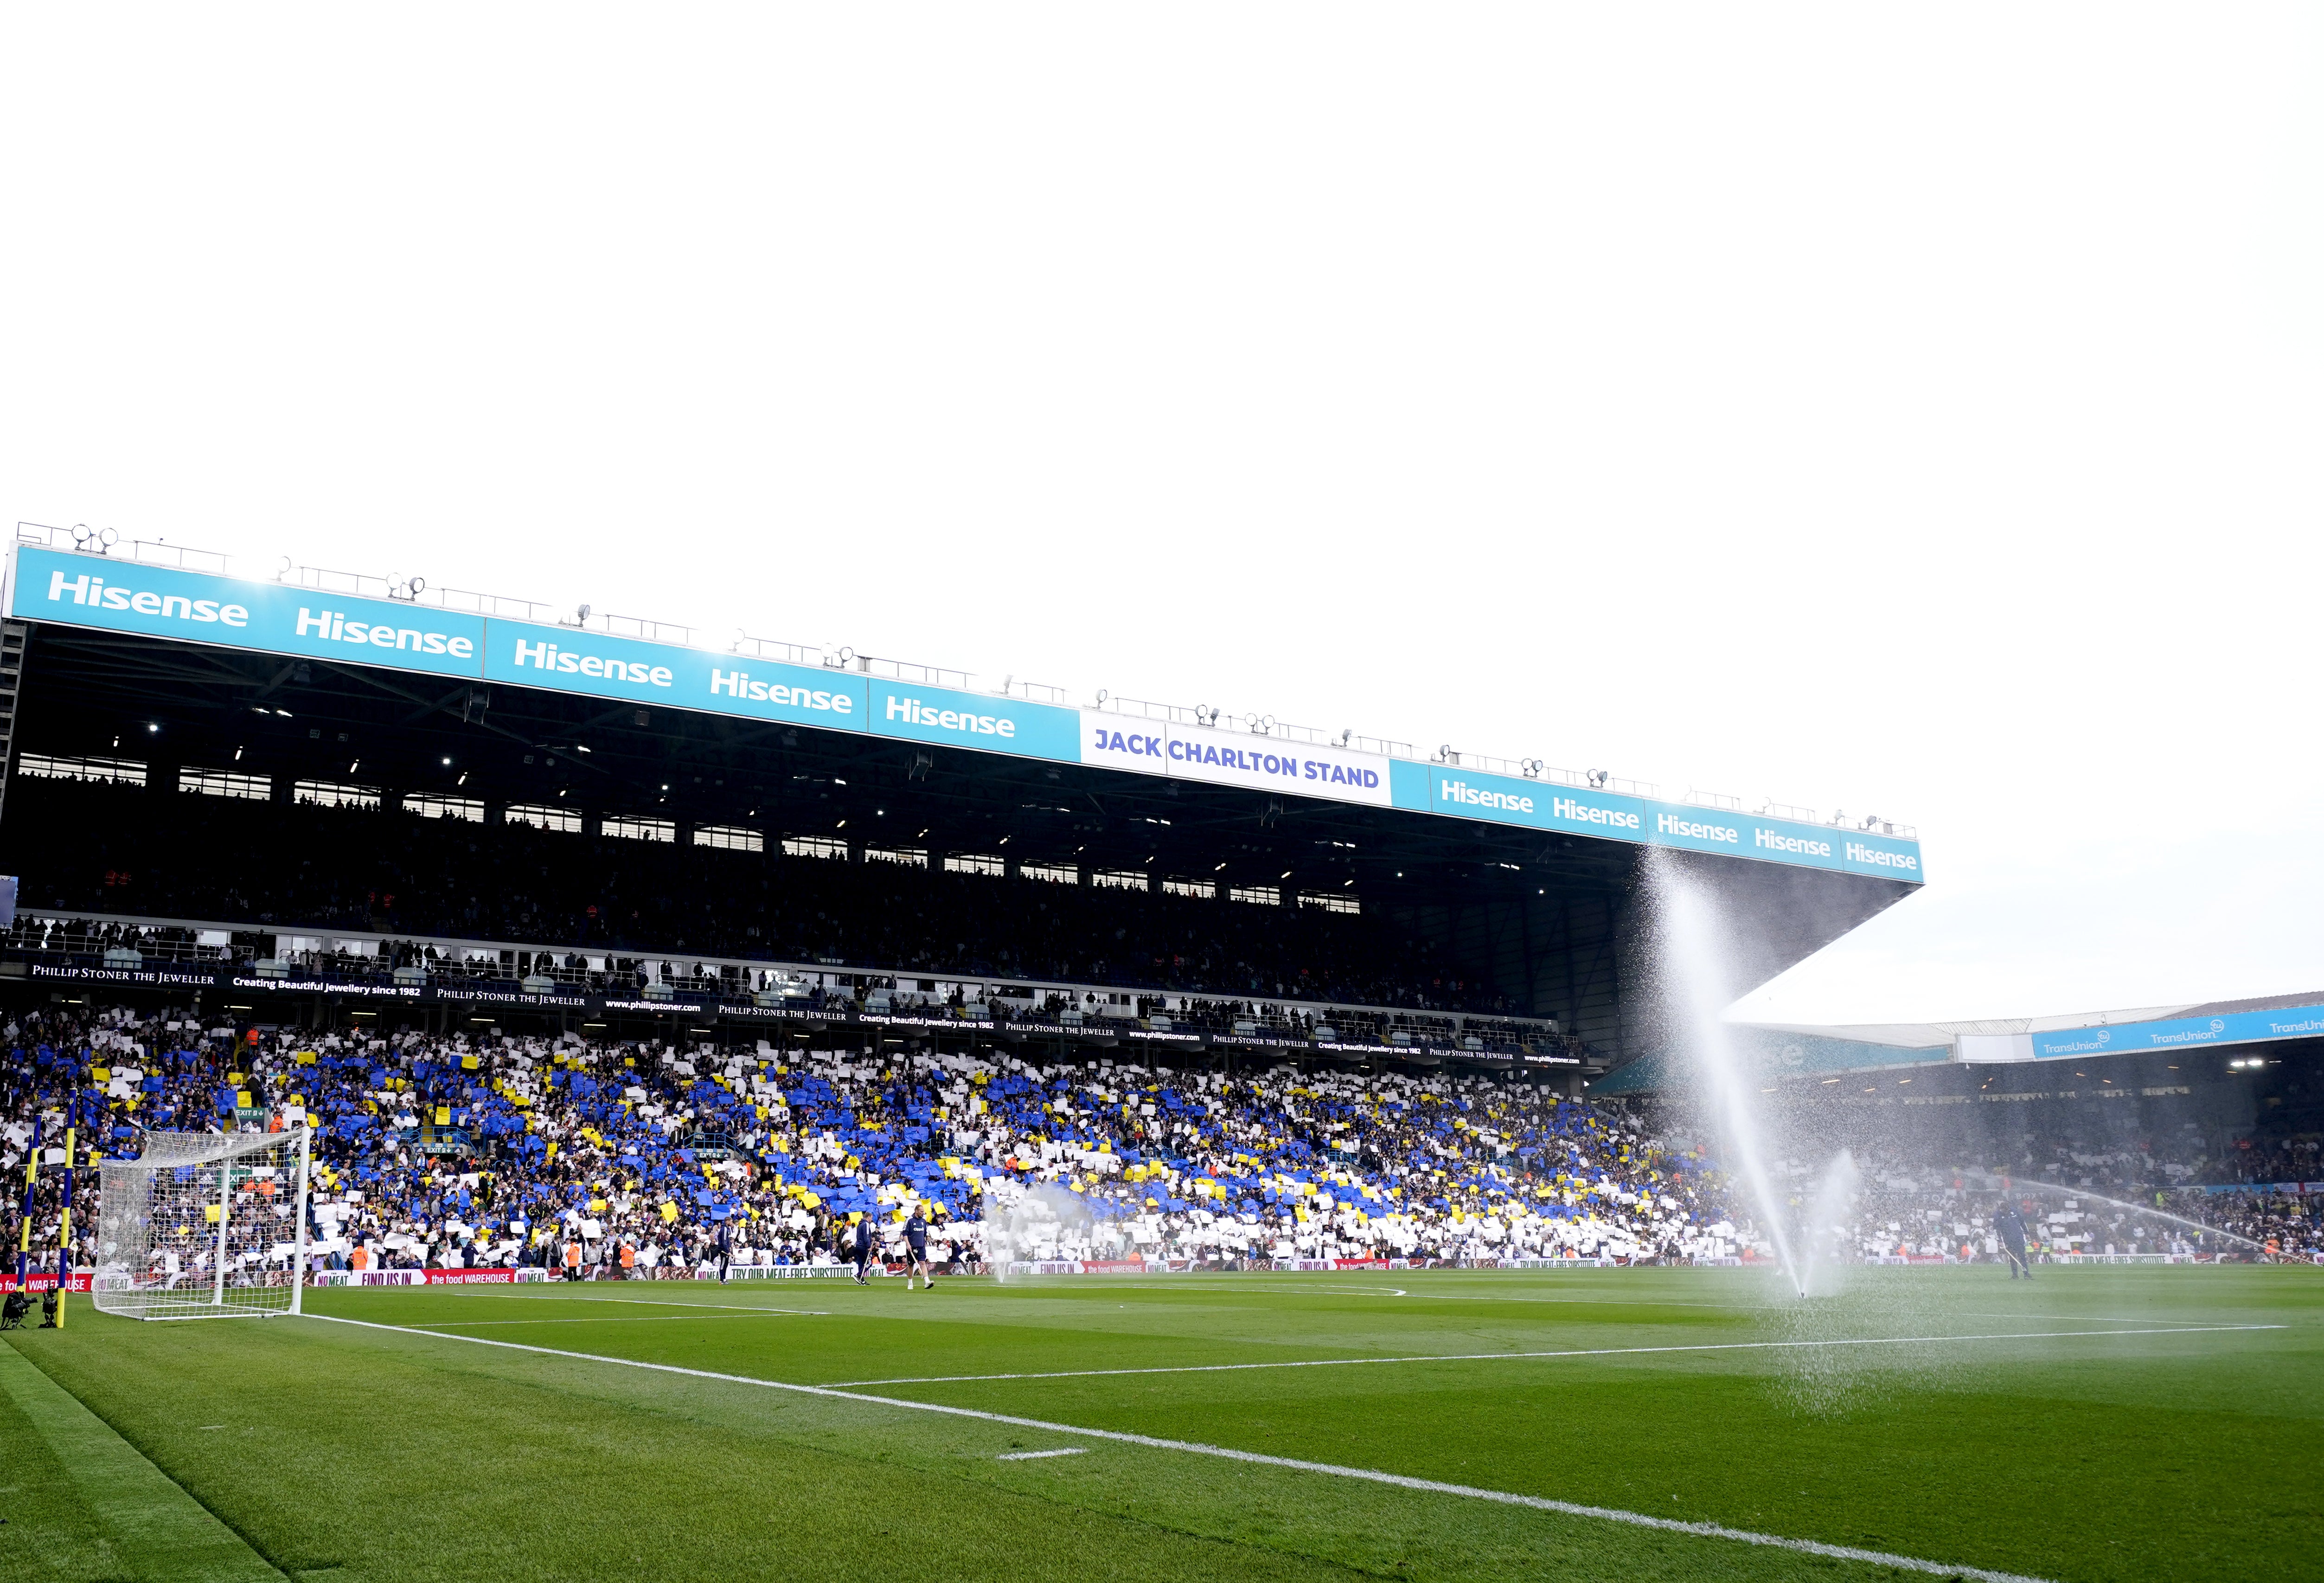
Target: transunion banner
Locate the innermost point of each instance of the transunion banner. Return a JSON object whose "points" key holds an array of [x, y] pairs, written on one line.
{"points": [[273, 618], [2179, 1032]]}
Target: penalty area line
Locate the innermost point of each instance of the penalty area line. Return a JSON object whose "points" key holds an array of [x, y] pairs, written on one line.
{"points": [[1075, 1374], [1231, 1454]]}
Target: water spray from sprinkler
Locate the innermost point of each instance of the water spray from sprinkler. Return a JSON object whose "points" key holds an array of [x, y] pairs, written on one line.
{"points": [[1694, 983]]}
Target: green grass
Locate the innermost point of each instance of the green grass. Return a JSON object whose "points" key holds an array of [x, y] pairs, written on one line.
{"points": [[345, 1452]]}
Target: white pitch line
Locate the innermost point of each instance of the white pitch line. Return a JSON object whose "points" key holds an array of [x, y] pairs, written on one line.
{"points": [[1033, 1456], [1075, 1374], [1196, 1448]]}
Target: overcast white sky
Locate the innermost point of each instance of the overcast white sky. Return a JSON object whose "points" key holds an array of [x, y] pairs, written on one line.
{"points": [[1908, 412]]}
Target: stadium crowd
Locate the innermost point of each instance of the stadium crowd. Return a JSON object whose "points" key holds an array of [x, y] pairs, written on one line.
{"points": [[1912, 1204], [646, 1158]]}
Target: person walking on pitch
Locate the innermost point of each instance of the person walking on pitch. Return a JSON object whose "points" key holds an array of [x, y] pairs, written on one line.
{"points": [[863, 1248], [916, 1252], [2011, 1228]]}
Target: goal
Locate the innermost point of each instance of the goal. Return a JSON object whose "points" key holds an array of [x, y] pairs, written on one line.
{"points": [[204, 1226]]}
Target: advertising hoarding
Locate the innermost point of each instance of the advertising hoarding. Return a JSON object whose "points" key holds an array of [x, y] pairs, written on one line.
{"points": [[199, 607], [2179, 1032]]}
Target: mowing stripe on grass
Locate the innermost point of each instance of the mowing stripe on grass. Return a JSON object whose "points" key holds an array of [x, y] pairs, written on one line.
{"points": [[1196, 1448], [717, 1310], [616, 1319], [1074, 1374], [1236, 1283], [472, 1292], [158, 1530]]}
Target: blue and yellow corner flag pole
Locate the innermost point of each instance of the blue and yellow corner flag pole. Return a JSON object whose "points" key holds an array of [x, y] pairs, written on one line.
{"points": [[32, 1180], [64, 1230]]}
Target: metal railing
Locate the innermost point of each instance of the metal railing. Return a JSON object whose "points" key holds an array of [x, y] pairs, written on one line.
{"points": [[1251, 723], [776, 649], [1452, 757], [494, 606], [417, 591], [1034, 691], [104, 541], [1873, 824], [898, 670], [638, 627]]}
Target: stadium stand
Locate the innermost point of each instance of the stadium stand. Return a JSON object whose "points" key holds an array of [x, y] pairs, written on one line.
{"points": [[556, 971]]}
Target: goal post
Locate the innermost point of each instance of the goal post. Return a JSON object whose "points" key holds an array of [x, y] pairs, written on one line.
{"points": [[204, 1226]]}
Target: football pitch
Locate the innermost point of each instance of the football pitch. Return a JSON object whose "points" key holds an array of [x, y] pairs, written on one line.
{"points": [[2103, 1422]]}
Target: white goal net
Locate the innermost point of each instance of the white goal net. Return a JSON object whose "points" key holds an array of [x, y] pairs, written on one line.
{"points": [[203, 1226]]}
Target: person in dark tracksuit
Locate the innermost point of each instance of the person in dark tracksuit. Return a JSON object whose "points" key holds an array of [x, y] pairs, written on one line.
{"points": [[725, 1248], [2011, 1228], [916, 1252], [863, 1248]]}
